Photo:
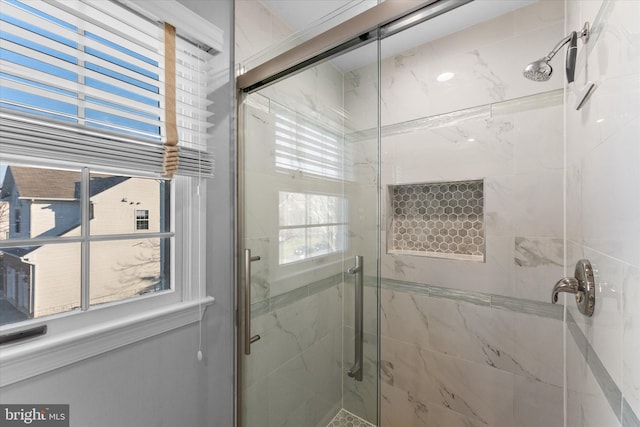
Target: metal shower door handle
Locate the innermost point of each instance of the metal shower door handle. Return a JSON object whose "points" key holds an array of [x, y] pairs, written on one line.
{"points": [[358, 270], [248, 339]]}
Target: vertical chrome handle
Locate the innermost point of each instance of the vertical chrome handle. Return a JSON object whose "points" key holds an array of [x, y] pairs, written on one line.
{"points": [[358, 270], [248, 339]]}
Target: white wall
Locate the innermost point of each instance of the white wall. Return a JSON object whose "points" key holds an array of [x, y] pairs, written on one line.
{"points": [[53, 217], [159, 382]]}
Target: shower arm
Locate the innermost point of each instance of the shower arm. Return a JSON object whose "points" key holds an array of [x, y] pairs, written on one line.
{"points": [[557, 48], [583, 33]]}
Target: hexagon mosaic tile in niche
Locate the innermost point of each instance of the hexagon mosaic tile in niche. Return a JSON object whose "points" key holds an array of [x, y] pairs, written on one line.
{"points": [[443, 219]]}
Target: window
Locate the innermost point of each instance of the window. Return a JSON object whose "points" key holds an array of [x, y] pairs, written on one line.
{"points": [[311, 225], [85, 122], [142, 219], [129, 266], [86, 86], [18, 221]]}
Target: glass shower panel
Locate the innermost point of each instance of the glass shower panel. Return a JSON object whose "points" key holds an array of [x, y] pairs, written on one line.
{"points": [[472, 179], [309, 205]]}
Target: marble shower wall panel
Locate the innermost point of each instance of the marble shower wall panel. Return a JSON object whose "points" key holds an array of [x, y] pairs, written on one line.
{"points": [[256, 29], [603, 208], [487, 60], [472, 390], [431, 345], [523, 207], [631, 337], [362, 198], [360, 397], [361, 97], [587, 405], [402, 408], [476, 333], [317, 93], [294, 376]]}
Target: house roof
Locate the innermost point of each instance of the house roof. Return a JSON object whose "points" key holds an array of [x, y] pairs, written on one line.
{"points": [[40, 183], [49, 184]]}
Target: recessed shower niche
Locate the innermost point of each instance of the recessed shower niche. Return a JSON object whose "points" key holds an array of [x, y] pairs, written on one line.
{"points": [[440, 219]]}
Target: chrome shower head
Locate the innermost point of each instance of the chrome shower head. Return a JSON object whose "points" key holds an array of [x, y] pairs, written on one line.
{"points": [[538, 71]]}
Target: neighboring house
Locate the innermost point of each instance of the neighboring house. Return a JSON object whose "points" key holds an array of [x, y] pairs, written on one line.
{"points": [[43, 280]]}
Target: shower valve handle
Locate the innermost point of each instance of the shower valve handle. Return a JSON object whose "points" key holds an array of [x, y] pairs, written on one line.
{"points": [[582, 285]]}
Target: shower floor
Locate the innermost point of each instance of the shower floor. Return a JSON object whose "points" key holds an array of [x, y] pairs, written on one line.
{"points": [[347, 419]]}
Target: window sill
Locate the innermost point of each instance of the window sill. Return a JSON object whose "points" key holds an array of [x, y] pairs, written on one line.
{"points": [[27, 359]]}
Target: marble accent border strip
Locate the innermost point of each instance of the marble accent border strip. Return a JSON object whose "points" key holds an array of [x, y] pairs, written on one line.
{"points": [[629, 418], [499, 302], [536, 308], [510, 106], [279, 301], [606, 383]]}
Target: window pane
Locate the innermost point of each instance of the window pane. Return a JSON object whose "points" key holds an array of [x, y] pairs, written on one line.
{"points": [[39, 202], [323, 209], [121, 204], [124, 269], [293, 208], [302, 243], [323, 240], [293, 245], [32, 284]]}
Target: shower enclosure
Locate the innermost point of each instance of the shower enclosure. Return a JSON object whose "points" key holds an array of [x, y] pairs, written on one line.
{"points": [[310, 281], [424, 151]]}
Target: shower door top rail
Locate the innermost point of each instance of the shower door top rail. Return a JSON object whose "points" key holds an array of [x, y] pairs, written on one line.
{"points": [[398, 14]]}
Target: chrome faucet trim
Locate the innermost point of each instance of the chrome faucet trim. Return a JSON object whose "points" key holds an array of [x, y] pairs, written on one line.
{"points": [[583, 285], [568, 284]]}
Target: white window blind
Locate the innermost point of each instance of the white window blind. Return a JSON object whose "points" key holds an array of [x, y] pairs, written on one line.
{"points": [[308, 147], [83, 81], [192, 79]]}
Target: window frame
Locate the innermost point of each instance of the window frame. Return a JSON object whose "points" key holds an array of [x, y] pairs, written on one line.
{"points": [[77, 335]]}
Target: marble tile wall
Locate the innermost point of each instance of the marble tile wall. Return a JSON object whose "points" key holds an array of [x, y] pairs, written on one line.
{"points": [[603, 213], [257, 28], [462, 130], [450, 360], [294, 375], [447, 362], [451, 363]]}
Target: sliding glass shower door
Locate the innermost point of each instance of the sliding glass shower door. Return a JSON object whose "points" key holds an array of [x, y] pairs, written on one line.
{"points": [[309, 225]]}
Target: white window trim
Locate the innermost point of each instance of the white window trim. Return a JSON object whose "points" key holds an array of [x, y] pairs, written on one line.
{"points": [[37, 356], [109, 326]]}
